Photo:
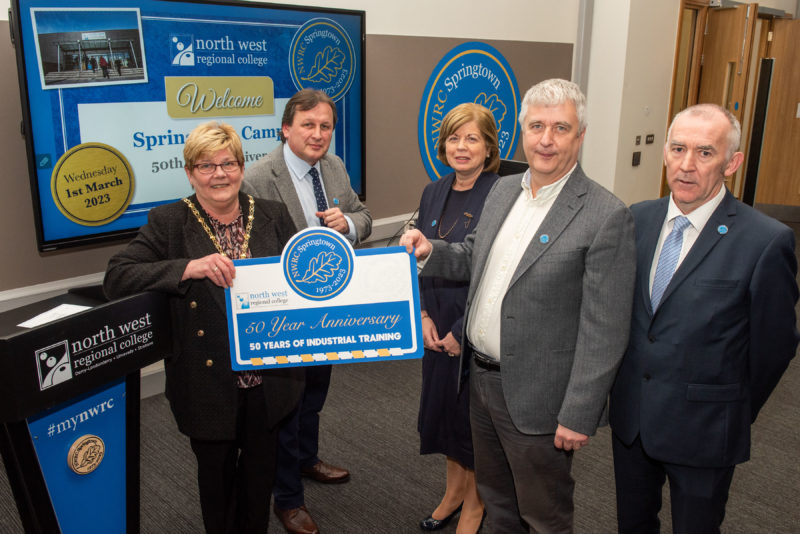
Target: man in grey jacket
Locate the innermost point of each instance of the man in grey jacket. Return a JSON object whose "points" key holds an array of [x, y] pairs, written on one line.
{"points": [[551, 266], [315, 187]]}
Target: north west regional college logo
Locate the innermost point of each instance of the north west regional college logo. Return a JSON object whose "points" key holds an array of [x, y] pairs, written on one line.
{"points": [[54, 365], [243, 301], [471, 72], [322, 57], [318, 263], [181, 48]]}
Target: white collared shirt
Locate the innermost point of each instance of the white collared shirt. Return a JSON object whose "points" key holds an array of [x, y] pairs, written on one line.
{"points": [[697, 221], [511, 242], [298, 169]]}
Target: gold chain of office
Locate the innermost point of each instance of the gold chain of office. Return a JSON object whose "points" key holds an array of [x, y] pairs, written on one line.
{"points": [[211, 235]]}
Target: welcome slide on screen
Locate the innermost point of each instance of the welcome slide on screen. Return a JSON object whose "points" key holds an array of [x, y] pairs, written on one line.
{"points": [[114, 88]]}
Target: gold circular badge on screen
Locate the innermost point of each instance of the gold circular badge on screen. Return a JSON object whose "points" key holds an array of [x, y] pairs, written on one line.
{"points": [[86, 454], [92, 184]]}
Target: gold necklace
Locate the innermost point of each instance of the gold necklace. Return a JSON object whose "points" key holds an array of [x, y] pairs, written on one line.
{"points": [[447, 233], [211, 235]]}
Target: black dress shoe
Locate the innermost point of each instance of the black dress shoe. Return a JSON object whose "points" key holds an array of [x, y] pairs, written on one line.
{"points": [[429, 523]]}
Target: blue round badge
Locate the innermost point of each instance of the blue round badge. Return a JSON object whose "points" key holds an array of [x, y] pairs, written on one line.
{"points": [[322, 57], [471, 72], [318, 263]]}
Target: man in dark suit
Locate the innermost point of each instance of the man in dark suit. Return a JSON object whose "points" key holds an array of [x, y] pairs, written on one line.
{"points": [[551, 270], [315, 187], [708, 343]]}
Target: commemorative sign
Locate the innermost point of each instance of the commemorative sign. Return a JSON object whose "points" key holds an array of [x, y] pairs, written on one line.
{"points": [[321, 302], [471, 72]]}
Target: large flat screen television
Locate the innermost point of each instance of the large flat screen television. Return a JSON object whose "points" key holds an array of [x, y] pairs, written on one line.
{"points": [[110, 89]]}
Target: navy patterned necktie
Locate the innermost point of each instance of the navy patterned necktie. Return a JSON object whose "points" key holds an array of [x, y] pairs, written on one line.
{"points": [[668, 259], [319, 196]]}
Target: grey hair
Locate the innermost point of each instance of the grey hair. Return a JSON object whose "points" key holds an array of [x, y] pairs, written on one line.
{"points": [[554, 92], [707, 111]]}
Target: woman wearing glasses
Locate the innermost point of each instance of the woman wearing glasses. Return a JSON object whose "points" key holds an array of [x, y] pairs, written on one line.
{"points": [[186, 250]]}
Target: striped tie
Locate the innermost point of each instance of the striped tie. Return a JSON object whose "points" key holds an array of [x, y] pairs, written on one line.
{"points": [[668, 260]]}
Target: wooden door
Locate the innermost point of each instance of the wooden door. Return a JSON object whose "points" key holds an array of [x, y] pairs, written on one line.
{"points": [[778, 174], [725, 63], [722, 45], [726, 55]]}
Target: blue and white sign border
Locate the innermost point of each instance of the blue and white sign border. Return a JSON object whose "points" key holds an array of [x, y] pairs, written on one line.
{"points": [[374, 318]]}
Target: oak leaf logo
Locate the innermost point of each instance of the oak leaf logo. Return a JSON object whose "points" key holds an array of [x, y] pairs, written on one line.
{"points": [[321, 267], [493, 104], [91, 455], [327, 64]]}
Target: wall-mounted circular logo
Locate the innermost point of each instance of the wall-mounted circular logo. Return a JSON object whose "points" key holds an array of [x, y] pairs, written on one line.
{"points": [[85, 454], [318, 263], [92, 184], [470, 72], [322, 57]]}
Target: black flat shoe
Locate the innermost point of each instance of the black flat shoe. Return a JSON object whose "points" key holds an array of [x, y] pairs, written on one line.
{"points": [[429, 523]]}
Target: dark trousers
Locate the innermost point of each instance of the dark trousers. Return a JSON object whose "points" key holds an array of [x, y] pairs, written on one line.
{"points": [[524, 480], [298, 439], [235, 476], [698, 495]]}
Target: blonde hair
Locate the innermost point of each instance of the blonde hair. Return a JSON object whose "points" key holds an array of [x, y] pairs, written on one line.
{"points": [[209, 138], [461, 115]]}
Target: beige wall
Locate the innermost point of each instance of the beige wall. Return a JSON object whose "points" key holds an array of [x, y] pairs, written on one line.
{"points": [[515, 20], [633, 46]]}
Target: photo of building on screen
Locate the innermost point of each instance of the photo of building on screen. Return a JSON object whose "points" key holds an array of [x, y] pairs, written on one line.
{"points": [[87, 47]]}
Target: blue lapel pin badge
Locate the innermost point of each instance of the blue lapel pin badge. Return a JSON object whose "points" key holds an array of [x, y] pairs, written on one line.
{"points": [[433, 222], [544, 238], [722, 229]]}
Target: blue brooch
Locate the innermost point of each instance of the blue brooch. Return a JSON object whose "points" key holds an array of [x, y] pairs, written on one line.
{"points": [[544, 238], [722, 229], [433, 222]]}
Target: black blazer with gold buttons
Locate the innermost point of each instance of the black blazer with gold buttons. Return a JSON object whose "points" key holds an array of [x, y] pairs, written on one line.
{"points": [[200, 384]]}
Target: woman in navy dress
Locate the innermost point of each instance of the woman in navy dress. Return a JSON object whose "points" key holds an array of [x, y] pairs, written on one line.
{"points": [[449, 210]]}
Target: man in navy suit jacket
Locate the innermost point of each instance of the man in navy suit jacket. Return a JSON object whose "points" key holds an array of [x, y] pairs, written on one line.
{"points": [[703, 359]]}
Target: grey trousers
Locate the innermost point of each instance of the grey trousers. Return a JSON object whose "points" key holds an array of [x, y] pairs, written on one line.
{"points": [[523, 479]]}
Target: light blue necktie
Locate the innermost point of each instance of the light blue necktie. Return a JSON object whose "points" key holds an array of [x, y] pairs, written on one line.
{"points": [[319, 196], [668, 260]]}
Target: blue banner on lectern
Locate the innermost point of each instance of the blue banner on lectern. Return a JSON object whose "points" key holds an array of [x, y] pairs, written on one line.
{"points": [[81, 450]]}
